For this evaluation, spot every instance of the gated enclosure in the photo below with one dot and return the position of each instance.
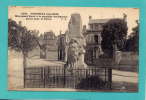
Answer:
(59, 77)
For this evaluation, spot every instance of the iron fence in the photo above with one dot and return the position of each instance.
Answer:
(60, 77)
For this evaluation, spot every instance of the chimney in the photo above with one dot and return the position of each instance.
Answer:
(90, 17)
(60, 32)
(84, 28)
(124, 17)
(20, 23)
(137, 22)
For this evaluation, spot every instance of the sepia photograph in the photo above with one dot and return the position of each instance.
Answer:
(42, 99)
(73, 49)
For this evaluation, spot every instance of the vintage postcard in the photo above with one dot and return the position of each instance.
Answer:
(42, 99)
(73, 49)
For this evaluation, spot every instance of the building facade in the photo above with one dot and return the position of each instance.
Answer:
(93, 39)
(61, 47)
(62, 43)
(48, 46)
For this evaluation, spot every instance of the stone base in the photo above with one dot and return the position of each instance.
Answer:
(82, 66)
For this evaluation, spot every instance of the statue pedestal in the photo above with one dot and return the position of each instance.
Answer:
(81, 63)
(75, 35)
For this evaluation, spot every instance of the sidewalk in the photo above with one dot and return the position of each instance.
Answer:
(123, 80)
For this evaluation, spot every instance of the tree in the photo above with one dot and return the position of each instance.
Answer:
(40, 42)
(132, 43)
(20, 39)
(113, 36)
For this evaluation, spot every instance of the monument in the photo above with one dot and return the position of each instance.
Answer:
(76, 41)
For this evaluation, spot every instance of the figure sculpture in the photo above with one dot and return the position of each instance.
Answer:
(73, 54)
(76, 51)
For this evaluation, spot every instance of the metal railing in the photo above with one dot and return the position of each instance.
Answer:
(59, 77)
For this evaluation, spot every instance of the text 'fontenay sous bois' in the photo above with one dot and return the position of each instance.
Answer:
(40, 16)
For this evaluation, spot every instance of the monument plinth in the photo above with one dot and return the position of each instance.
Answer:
(75, 33)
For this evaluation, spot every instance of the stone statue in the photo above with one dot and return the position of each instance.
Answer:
(76, 51)
(73, 54)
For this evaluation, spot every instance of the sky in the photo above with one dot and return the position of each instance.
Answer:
(57, 24)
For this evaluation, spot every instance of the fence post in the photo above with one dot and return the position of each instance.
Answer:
(110, 77)
(44, 76)
(105, 75)
(24, 78)
(64, 82)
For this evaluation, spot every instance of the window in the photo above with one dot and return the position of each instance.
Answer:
(91, 26)
(96, 39)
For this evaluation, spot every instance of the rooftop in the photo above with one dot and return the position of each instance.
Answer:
(92, 21)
